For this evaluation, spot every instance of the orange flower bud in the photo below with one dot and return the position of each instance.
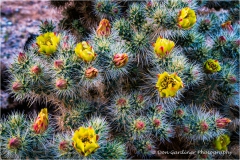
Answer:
(91, 72)
(222, 122)
(41, 123)
(227, 25)
(104, 28)
(120, 60)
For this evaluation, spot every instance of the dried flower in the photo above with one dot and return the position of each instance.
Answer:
(120, 60)
(104, 28)
(91, 72)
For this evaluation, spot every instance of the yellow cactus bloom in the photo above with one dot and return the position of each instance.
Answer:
(221, 142)
(85, 141)
(212, 66)
(168, 85)
(84, 51)
(104, 28)
(48, 43)
(163, 47)
(186, 18)
(41, 123)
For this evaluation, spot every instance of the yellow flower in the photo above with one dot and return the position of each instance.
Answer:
(168, 85)
(186, 18)
(104, 28)
(41, 123)
(163, 46)
(85, 141)
(120, 60)
(212, 66)
(85, 51)
(48, 43)
(221, 142)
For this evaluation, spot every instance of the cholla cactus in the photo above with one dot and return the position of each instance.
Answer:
(129, 79)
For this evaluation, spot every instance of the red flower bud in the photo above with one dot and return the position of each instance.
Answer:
(64, 146)
(186, 129)
(58, 64)
(139, 125)
(35, 70)
(14, 143)
(140, 99)
(22, 57)
(232, 79)
(222, 39)
(179, 112)
(61, 84)
(156, 122)
(17, 86)
(159, 108)
(121, 102)
(204, 126)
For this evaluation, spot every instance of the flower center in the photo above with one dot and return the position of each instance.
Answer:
(212, 65)
(166, 81)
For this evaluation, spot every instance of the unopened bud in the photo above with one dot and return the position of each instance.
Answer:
(121, 102)
(22, 57)
(58, 64)
(91, 72)
(36, 70)
(64, 146)
(139, 125)
(17, 86)
(61, 84)
(156, 122)
(222, 40)
(204, 126)
(14, 143)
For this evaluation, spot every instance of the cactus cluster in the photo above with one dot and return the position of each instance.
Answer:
(149, 72)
